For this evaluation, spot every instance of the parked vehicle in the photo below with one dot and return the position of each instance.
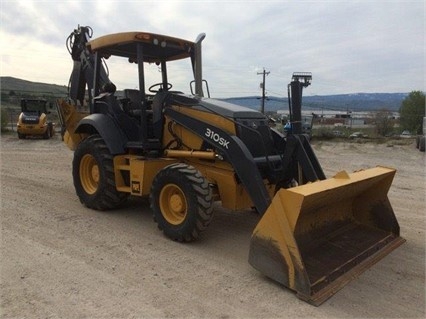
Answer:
(358, 135)
(33, 119)
(405, 134)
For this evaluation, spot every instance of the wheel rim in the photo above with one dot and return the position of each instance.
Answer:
(89, 174)
(173, 204)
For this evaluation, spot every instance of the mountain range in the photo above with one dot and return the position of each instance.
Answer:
(341, 102)
(358, 102)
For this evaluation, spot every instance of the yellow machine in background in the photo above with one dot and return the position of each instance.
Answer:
(33, 119)
(185, 152)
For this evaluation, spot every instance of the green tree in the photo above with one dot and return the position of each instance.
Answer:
(4, 120)
(412, 112)
(384, 122)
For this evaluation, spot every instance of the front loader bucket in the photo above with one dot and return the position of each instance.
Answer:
(317, 237)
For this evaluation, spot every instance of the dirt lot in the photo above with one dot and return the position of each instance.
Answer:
(59, 259)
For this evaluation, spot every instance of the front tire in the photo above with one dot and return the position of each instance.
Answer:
(181, 200)
(93, 175)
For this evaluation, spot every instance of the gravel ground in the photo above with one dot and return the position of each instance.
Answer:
(62, 260)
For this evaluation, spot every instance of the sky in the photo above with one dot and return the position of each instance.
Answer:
(368, 46)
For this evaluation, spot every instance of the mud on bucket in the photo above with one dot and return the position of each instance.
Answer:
(317, 237)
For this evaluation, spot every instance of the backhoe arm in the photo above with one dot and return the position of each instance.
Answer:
(83, 72)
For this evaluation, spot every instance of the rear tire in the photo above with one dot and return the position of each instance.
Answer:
(50, 128)
(422, 144)
(46, 134)
(93, 175)
(181, 200)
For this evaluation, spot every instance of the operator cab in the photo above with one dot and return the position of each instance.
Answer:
(37, 106)
(139, 109)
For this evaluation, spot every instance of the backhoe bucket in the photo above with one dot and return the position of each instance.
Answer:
(317, 237)
(69, 118)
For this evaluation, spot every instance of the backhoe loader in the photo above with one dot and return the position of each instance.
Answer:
(186, 151)
(33, 119)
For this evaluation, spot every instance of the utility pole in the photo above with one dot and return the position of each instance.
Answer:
(262, 85)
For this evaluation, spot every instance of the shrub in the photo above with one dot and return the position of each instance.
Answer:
(323, 133)
(4, 120)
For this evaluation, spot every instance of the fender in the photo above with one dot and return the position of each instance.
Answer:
(106, 127)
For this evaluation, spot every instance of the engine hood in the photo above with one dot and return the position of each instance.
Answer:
(217, 106)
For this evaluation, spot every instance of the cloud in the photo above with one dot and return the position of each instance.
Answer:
(349, 46)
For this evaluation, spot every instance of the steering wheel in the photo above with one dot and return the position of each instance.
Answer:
(151, 88)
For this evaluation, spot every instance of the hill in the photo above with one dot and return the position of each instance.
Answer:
(353, 102)
(23, 87)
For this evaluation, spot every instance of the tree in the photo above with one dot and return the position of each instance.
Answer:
(412, 112)
(4, 120)
(384, 122)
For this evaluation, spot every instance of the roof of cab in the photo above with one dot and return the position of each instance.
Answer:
(155, 47)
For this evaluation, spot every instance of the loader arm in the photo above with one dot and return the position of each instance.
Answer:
(246, 166)
(235, 152)
(299, 150)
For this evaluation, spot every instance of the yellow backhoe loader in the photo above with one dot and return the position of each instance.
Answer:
(33, 119)
(185, 151)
